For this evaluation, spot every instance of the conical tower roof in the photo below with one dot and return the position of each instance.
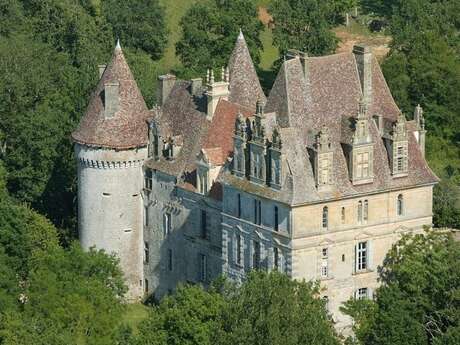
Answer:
(127, 128)
(244, 86)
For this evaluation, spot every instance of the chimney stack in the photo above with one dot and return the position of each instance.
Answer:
(363, 57)
(420, 132)
(101, 70)
(165, 85)
(215, 92)
(111, 99)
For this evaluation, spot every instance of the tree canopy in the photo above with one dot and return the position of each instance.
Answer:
(267, 308)
(419, 301)
(209, 32)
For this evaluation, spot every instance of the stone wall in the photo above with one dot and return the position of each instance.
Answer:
(110, 206)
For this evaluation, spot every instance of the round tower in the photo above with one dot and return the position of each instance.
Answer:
(111, 146)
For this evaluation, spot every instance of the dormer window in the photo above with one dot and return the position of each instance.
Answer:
(362, 150)
(202, 180)
(239, 147)
(397, 147)
(323, 155)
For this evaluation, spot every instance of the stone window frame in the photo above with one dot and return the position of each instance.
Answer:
(400, 205)
(362, 256)
(362, 293)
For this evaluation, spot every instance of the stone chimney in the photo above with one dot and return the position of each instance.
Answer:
(101, 70)
(111, 99)
(420, 132)
(165, 85)
(363, 57)
(216, 91)
(196, 86)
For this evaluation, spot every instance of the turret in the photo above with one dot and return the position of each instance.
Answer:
(110, 146)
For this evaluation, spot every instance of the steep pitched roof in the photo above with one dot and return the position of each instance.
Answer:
(127, 128)
(290, 96)
(244, 87)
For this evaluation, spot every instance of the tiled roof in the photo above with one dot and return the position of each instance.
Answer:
(328, 95)
(244, 87)
(128, 127)
(220, 132)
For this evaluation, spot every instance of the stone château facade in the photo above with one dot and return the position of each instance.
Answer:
(318, 180)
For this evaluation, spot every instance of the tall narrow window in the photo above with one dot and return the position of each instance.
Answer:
(366, 210)
(324, 263)
(361, 256)
(146, 286)
(325, 222)
(343, 215)
(257, 212)
(276, 220)
(360, 211)
(203, 268)
(238, 249)
(238, 210)
(276, 258)
(204, 225)
(166, 223)
(170, 259)
(256, 255)
(146, 216)
(400, 205)
(146, 252)
(148, 179)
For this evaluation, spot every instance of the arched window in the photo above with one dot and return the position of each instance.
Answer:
(325, 217)
(400, 205)
(366, 210)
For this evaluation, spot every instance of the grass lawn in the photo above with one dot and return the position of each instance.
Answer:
(134, 314)
(270, 53)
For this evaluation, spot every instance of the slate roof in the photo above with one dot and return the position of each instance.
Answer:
(328, 95)
(244, 87)
(128, 127)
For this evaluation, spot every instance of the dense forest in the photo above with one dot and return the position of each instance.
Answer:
(51, 292)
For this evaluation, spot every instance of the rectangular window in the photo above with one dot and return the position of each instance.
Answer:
(324, 268)
(325, 252)
(203, 267)
(166, 223)
(276, 220)
(362, 293)
(257, 212)
(146, 252)
(238, 210)
(276, 258)
(204, 225)
(343, 214)
(361, 256)
(256, 255)
(146, 286)
(170, 259)
(238, 249)
(360, 211)
(146, 216)
(366, 210)
(362, 165)
(148, 179)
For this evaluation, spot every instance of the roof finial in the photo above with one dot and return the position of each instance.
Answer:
(118, 46)
(241, 36)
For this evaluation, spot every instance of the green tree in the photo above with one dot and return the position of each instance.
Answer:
(138, 23)
(304, 25)
(272, 308)
(209, 31)
(419, 300)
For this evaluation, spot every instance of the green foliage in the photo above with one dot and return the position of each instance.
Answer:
(268, 308)
(305, 25)
(272, 308)
(424, 67)
(138, 23)
(210, 30)
(419, 301)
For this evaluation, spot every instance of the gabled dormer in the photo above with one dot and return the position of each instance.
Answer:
(257, 147)
(323, 160)
(398, 148)
(275, 157)
(239, 146)
(361, 157)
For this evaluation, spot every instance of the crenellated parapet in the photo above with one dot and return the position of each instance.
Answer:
(96, 164)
